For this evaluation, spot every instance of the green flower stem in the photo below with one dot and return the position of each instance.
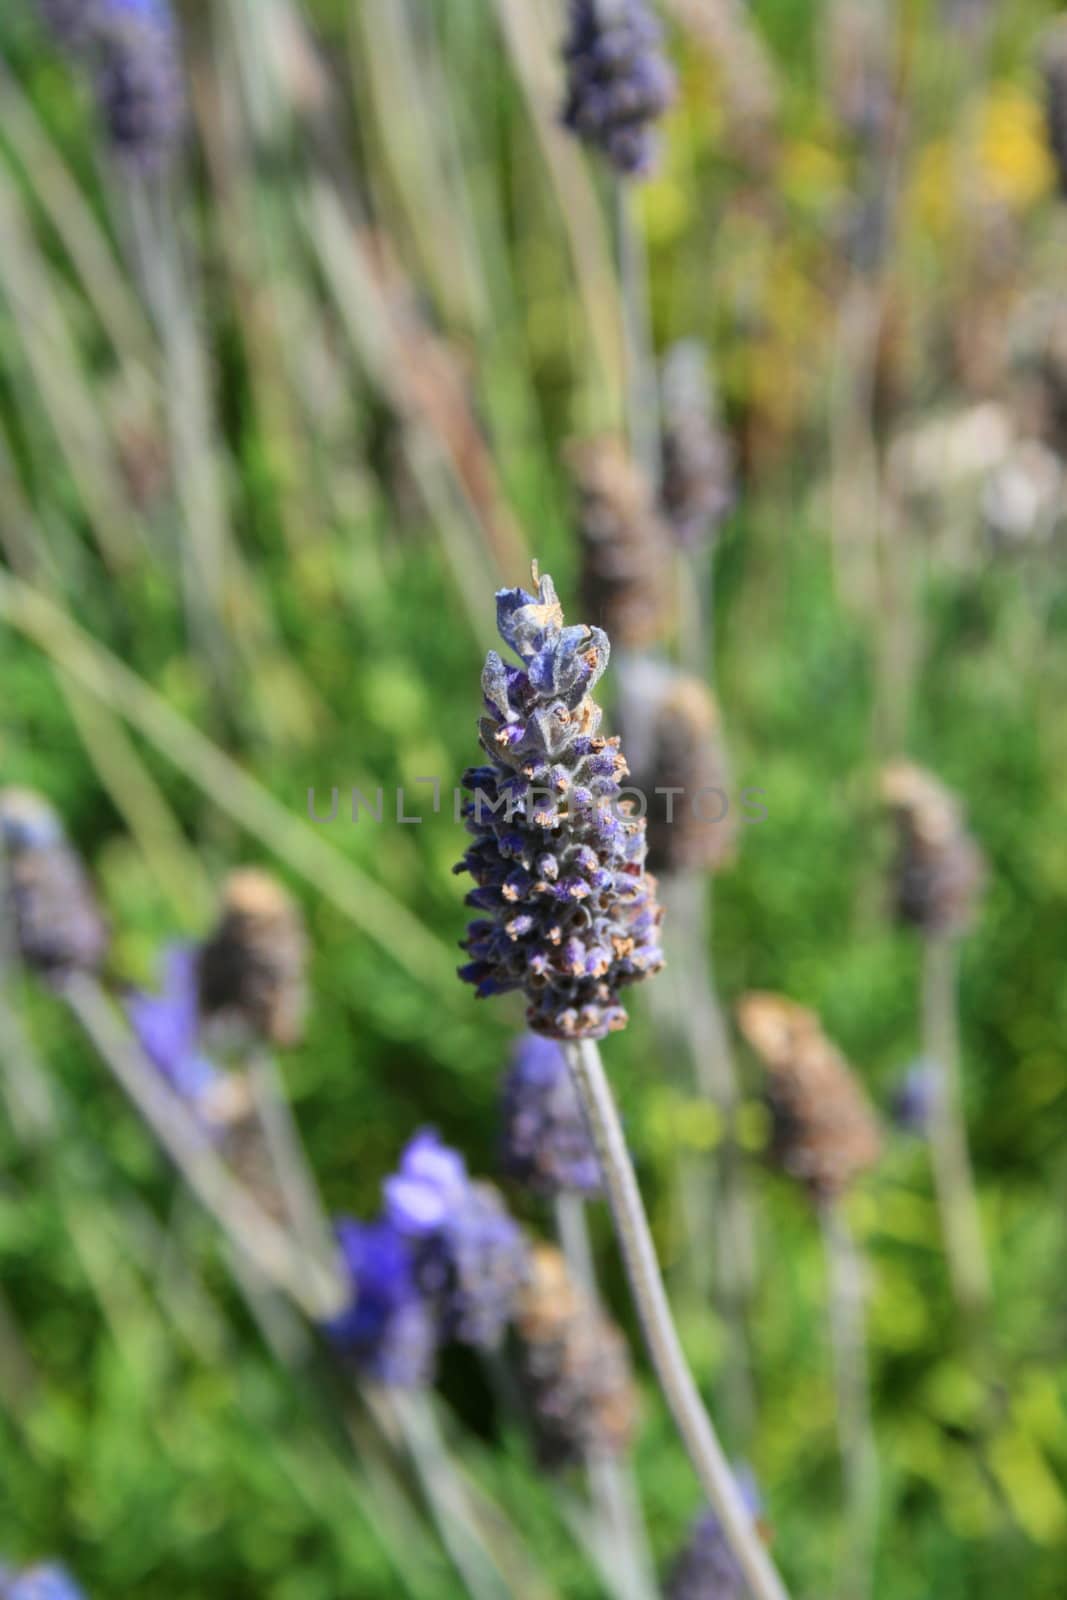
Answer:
(661, 1338)
(859, 1458)
(953, 1177)
(319, 1293)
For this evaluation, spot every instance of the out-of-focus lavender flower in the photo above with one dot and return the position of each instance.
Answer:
(545, 1143)
(698, 457)
(252, 968)
(389, 1331)
(573, 1367)
(56, 923)
(618, 81)
(470, 1255)
(706, 1569)
(913, 1100)
(558, 856)
(132, 50)
(39, 1583)
(167, 1026)
(939, 871)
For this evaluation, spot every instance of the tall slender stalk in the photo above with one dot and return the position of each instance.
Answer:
(319, 1294)
(848, 1338)
(661, 1337)
(953, 1178)
(642, 382)
(611, 1479)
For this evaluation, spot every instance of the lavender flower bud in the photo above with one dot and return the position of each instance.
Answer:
(626, 546)
(545, 1144)
(939, 869)
(39, 1583)
(573, 1367)
(618, 82)
(252, 967)
(670, 725)
(470, 1256)
(49, 901)
(825, 1130)
(698, 457)
(138, 79)
(558, 858)
(707, 1569)
(388, 1331)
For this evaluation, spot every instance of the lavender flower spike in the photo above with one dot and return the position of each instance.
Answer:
(167, 1026)
(39, 1583)
(618, 82)
(545, 1142)
(707, 1569)
(470, 1256)
(558, 857)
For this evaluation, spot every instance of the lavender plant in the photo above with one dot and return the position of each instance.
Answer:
(705, 1568)
(574, 921)
(131, 48)
(57, 925)
(618, 82)
(469, 1255)
(938, 875)
(558, 857)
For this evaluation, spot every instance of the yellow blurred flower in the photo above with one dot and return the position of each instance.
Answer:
(1012, 149)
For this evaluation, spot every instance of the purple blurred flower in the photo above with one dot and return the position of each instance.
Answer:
(707, 1569)
(132, 49)
(618, 82)
(39, 1583)
(167, 1026)
(470, 1255)
(558, 859)
(389, 1330)
(545, 1142)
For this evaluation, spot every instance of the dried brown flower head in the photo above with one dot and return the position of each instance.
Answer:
(252, 966)
(574, 1367)
(825, 1129)
(626, 546)
(939, 869)
(673, 737)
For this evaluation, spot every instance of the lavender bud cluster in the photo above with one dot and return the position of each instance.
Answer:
(47, 898)
(132, 50)
(558, 859)
(618, 81)
(444, 1261)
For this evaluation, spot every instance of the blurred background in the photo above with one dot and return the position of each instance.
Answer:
(300, 320)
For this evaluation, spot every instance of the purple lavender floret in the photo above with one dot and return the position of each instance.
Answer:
(389, 1330)
(167, 1026)
(39, 1583)
(558, 858)
(469, 1254)
(618, 81)
(545, 1143)
(707, 1569)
